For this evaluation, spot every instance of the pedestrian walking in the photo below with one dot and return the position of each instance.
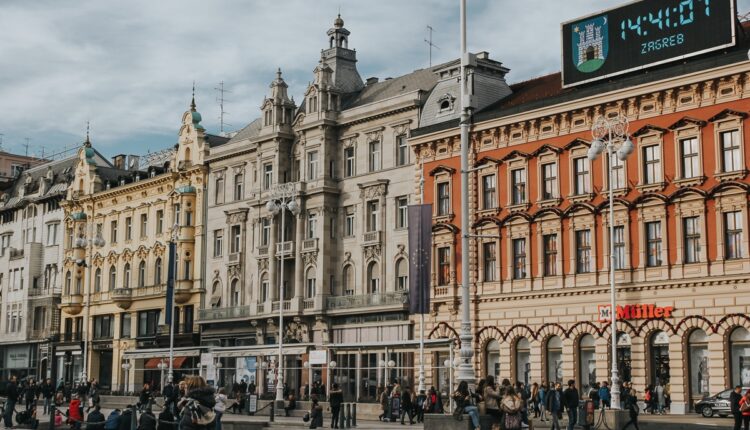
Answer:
(571, 399)
(335, 399)
(734, 404)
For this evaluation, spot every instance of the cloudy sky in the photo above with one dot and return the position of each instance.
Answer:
(128, 66)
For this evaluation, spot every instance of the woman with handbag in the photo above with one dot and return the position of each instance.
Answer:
(511, 405)
(491, 399)
(466, 402)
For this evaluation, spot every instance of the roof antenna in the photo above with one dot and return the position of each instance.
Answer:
(220, 100)
(192, 103)
(429, 42)
(26, 146)
(1, 142)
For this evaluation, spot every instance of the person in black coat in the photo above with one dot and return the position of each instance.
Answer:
(570, 400)
(734, 404)
(95, 420)
(336, 398)
(125, 418)
(145, 397)
(166, 420)
(316, 414)
(29, 396)
(47, 391)
(11, 397)
(147, 421)
(407, 407)
(198, 405)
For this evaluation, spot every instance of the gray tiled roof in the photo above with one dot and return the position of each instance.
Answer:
(422, 79)
(251, 130)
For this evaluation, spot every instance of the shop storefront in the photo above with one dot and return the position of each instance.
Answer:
(19, 361)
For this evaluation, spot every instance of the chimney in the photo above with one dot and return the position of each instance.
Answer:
(119, 161)
(370, 81)
(483, 55)
(133, 162)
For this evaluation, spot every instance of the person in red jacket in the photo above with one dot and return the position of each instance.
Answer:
(74, 413)
(745, 410)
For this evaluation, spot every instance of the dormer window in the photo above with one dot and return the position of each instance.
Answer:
(445, 104)
(153, 173)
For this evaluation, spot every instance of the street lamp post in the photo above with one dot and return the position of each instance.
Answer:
(282, 199)
(162, 366)
(611, 134)
(126, 369)
(87, 240)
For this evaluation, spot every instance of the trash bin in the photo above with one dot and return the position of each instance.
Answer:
(586, 414)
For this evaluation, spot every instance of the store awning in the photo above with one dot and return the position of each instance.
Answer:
(153, 363)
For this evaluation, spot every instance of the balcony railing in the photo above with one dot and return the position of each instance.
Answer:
(308, 304)
(275, 306)
(260, 308)
(372, 237)
(263, 250)
(235, 257)
(15, 253)
(285, 248)
(41, 333)
(310, 244)
(71, 337)
(365, 300)
(218, 314)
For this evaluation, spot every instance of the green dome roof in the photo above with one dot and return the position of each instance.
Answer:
(78, 216)
(187, 189)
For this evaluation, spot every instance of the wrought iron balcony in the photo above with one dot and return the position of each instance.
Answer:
(367, 300)
(122, 297)
(72, 303)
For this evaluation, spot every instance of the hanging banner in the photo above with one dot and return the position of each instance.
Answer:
(420, 252)
(169, 305)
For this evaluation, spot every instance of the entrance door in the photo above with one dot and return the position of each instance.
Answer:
(105, 370)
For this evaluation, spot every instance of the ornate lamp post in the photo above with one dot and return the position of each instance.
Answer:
(611, 134)
(282, 199)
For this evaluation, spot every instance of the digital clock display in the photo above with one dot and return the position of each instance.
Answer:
(643, 34)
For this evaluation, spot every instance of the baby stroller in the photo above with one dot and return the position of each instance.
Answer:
(26, 420)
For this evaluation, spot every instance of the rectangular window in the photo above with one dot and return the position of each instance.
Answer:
(112, 232)
(519, 258)
(188, 218)
(312, 226)
(312, 165)
(176, 213)
(265, 233)
(128, 228)
(489, 192)
(691, 239)
(618, 173)
(267, 176)
(188, 273)
(583, 251)
(732, 235)
(349, 222)
(549, 181)
(238, 183)
(219, 190)
(159, 221)
(144, 225)
(402, 212)
(550, 254)
(444, 266)
(148, 321)
(690, 160)
(653, 243)
(518, 186)
(234, 235)
(218, 242)
(444, 198)
(374, 156)
(104, 327)
(402, 151)
(372, 215)
(731, 159)
(619, 243)
(581, 167)
(490, 261)
(349, 163)
(52, 233)
(188, 312)
(651, 165)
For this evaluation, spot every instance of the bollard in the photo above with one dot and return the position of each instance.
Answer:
(346, 415)
(342, 416)
(52, 411)
(134, 419)
(273, 413)
(354, 415)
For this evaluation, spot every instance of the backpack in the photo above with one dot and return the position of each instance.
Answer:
(113, 420)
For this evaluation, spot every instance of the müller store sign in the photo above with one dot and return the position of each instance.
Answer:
(635, 312)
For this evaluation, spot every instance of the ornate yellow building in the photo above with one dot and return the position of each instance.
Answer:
(119, 220)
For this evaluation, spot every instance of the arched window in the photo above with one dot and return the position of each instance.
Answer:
(623, 356)
(698, 349)
(68, 282)
(347, 280)
(98, 280)
(659, 358)
(157, 271)
(587, 362)
(126, 276)
(492, 358)
(112, 277)
(523, 360)
(310, 283)
(79, 285)
(554, 359)
(373, 278)
(216, 295)
(142, 274)
(402, 275)
(740, 347)
(264, 288)
(234, 294)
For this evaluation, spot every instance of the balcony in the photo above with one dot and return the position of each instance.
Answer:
(390, 298)
(182, 291)
(372, 237)
(263, 250)
(235, 257)
(275, 305)
(72, 303)
(122, 297)
(260, 308)
(219, 314)
(41, 333)
(310, 244)
(285, 249)
(71, 337)
(308, 304)
(15, 254)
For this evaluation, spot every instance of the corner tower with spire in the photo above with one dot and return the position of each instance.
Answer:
(341, 59)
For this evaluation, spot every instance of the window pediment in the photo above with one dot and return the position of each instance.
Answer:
(687, 122)
(576, 143)
(649, 129)
(728, 114)
(442, 169)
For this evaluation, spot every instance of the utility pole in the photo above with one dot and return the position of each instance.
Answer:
(26, 146)
(429, 42)
(220, 100)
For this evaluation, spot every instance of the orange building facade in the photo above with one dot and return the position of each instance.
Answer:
(540, 264)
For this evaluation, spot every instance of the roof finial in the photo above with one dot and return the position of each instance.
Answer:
(88, 140)
(192, 103)
(278, 73)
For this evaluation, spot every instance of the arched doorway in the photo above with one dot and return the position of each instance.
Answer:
(698, 350)
(587, 362)
(492, 359)
(740, 347)
(523, 360)
(554, 359)
(659, 358)
(623, 357)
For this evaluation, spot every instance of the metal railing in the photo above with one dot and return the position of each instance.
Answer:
(224, 313)
(364, 300)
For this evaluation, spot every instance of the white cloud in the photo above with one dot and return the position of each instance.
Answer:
(128, 66)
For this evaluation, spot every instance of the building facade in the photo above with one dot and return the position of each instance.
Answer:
(343, 157)
(31, 237)
(540, 264)
(119, 220)
(11, 166)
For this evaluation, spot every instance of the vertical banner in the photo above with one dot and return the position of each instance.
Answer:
(420, 251)
(169, 305)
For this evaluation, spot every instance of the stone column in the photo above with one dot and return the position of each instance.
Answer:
(638, 360)
(677, 382)
(569, 361)
(299, 273)
(506, 358)
(536, 359)
(603, 364)
(718, 380)
(273, 265)
(382, 223)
